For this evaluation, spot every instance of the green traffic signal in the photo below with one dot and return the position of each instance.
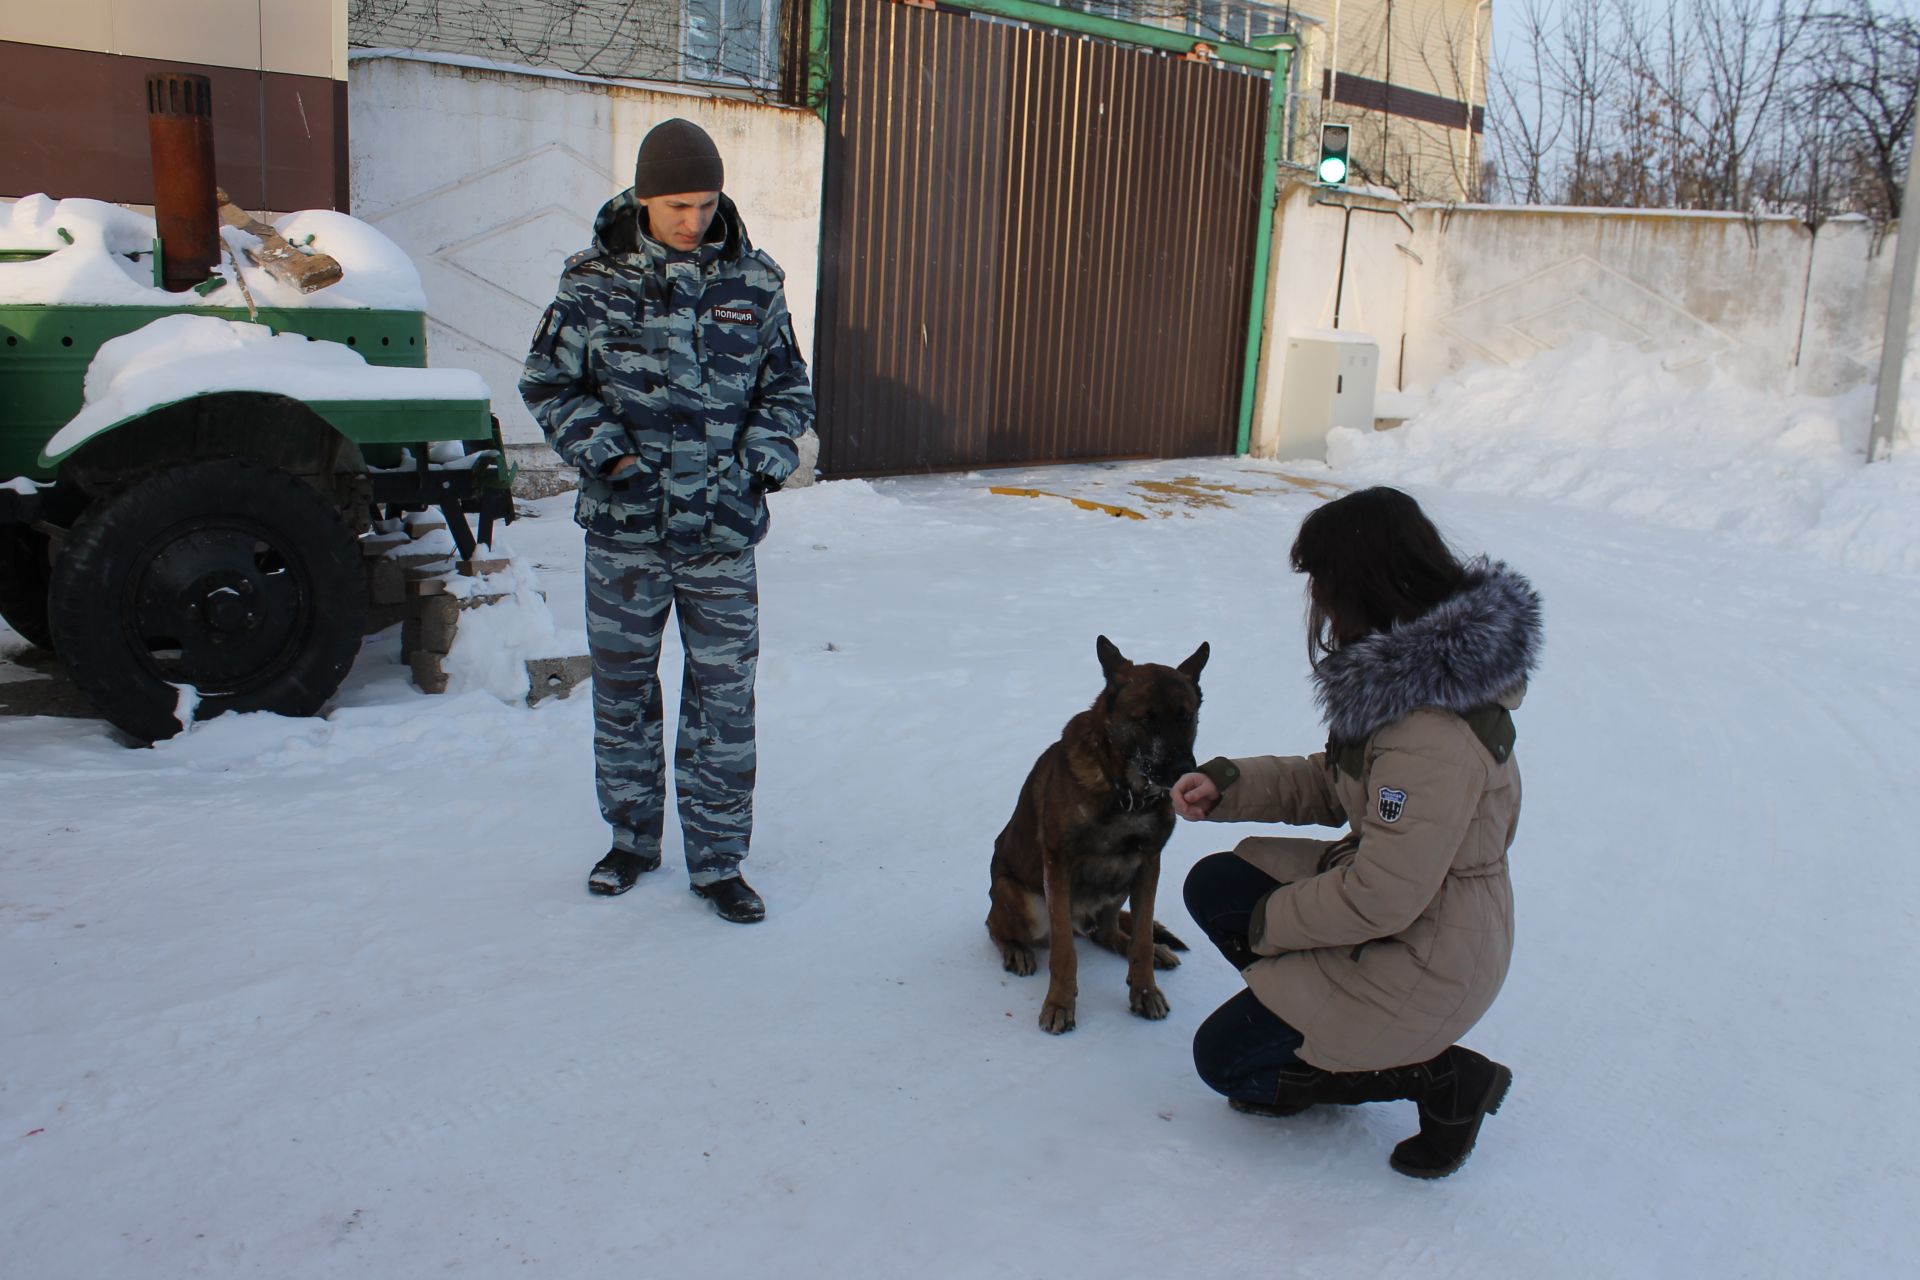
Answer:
(1333, 154)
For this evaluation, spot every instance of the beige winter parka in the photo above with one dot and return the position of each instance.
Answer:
(1383, 948)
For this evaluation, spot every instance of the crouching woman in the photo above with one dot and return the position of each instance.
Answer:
(1366, 958)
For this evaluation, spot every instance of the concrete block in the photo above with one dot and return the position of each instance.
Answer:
(428, 676)
(386, 583)
(555, 677)
(430, 626)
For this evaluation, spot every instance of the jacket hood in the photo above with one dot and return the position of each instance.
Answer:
(1475, 647)
(616, 229)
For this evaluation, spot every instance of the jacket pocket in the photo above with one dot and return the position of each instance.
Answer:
(631, 505)
(737, 516)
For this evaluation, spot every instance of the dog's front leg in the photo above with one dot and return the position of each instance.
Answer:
(1063, 985)
(1143, 994)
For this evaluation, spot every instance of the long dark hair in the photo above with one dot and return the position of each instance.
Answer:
(1372, 559)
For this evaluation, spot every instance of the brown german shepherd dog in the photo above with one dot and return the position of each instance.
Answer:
(1087, 833)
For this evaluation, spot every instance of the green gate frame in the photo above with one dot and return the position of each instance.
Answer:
(1272, 54)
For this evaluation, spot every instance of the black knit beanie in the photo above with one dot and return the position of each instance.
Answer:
(677, 156)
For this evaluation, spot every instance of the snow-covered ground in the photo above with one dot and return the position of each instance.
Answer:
(327, 997)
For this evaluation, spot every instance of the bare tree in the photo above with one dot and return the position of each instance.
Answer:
(1524, 124)
(1864, 91)
(1708, 104)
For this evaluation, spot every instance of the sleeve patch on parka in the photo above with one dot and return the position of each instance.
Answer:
(549, 330)
(1393, 803)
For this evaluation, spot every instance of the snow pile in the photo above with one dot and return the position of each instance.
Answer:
(177, 357)
(1602, 425)
(89, 264)
(494, 641)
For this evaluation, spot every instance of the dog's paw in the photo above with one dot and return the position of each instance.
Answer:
(1163, 957)
(1017, 960)
(1147, 1002)
(1056, 1019)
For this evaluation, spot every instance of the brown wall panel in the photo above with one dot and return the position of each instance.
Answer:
(1037, 247)
(75, 124)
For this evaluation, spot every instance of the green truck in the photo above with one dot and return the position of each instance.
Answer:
(181, 519)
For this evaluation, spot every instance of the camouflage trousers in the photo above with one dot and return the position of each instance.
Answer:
(715, 596)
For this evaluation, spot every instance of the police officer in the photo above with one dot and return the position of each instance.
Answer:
(666, 371)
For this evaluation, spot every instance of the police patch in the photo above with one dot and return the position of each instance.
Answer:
(734, 315)
(1392, 804)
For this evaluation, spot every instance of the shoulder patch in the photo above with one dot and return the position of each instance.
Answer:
(1393, 803)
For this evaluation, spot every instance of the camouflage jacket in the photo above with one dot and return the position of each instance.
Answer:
(687, 362)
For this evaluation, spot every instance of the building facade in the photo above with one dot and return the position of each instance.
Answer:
(73, 96)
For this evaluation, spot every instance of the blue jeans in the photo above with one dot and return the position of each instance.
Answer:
(1241, 1048)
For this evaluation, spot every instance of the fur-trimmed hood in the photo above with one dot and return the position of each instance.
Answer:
(1468, 650)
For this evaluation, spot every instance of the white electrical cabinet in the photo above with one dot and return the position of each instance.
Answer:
(1328, 382)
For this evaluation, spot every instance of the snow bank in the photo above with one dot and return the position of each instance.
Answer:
(88, 264)
(1600, 424)
(176, 357)
(493, 642)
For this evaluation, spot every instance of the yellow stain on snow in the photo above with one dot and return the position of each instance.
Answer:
(1085, 504)
(1184, 495)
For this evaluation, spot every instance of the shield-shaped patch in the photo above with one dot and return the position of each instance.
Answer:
(1393, 803)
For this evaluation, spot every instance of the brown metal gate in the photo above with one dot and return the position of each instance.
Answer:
(1037, 247)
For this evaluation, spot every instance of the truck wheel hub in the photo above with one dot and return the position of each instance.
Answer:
(218, 605)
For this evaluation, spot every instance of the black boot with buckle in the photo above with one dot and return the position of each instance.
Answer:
(1302, 1086)
(1461, 1089)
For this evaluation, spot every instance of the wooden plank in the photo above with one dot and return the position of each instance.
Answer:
(305, 271)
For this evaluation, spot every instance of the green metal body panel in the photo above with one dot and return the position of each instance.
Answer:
(45, 351)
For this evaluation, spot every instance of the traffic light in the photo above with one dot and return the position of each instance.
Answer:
(1333, 154)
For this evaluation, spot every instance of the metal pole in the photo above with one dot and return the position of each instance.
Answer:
(1893, 347)
(1263, 244)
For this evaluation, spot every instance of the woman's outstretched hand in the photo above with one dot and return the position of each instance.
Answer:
(1194, 796)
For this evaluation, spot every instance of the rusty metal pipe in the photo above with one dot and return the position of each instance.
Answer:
(180, 135)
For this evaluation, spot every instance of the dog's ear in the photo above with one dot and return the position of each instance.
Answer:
(1112, 661)
(1193, 665)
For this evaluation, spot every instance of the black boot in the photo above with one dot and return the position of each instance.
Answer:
(1462, 1088)
(615, 873)
(1302, 1086)
(734, 899)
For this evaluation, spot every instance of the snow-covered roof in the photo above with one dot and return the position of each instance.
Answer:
(87, 263)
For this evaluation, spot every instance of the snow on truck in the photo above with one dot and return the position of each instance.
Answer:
(191, 451)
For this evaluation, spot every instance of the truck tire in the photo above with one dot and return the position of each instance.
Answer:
(229, 576)
(24, 576)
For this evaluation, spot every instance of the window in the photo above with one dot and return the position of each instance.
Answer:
(1235, 21)
(733, 42)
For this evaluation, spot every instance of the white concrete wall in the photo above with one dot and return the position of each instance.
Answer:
(491, 178)
(1762, 301)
